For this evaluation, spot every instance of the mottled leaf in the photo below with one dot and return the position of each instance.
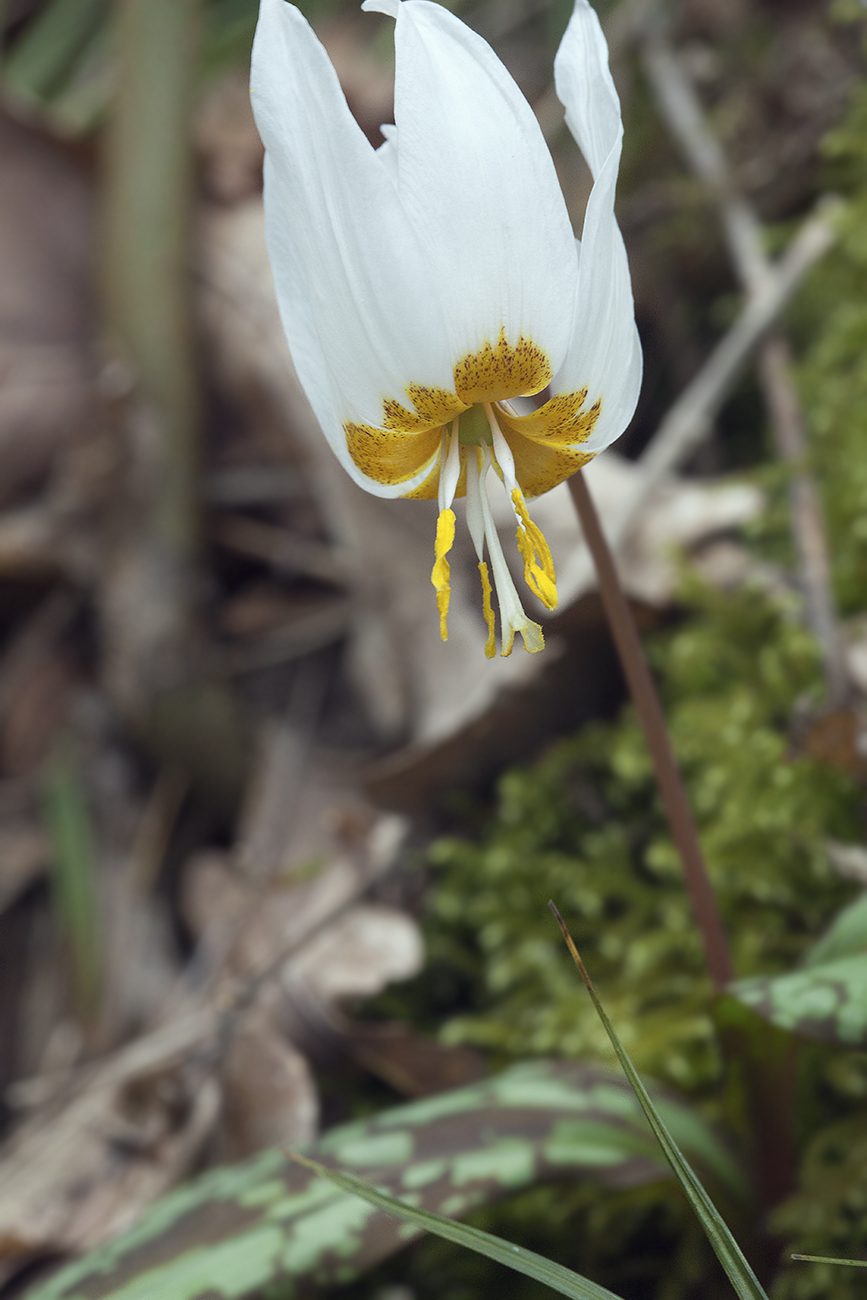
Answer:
(547, 1271)
(241, 1231)
(847, 937)
(827, 1001)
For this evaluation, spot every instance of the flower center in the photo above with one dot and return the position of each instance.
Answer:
(443, 446)
(468, 452)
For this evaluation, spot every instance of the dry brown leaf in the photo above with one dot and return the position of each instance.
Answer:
(270, 1098)
(46, 245)
(75, 1177)
(357, 956)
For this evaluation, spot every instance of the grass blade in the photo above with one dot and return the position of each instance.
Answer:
(560, 1279)
(73, 877)
(826, 1259)
(728, 1252)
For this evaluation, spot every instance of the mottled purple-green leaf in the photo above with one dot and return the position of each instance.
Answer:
(826, 1001)
(268, 1227)
(846, 937)
(547, 1271)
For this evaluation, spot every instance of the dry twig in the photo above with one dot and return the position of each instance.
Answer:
(683, 113)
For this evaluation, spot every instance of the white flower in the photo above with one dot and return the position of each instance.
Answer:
(441, 316)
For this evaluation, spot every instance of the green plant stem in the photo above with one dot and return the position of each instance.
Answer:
(646, 700)
(147, 274)
(148, 573)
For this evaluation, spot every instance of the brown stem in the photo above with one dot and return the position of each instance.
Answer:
(646, 700)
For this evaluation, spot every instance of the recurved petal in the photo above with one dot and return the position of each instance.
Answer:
(605, 352)
(479, 186)
(359, 305)
(604, 355)
(585, 87)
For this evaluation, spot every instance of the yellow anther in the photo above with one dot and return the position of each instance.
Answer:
(440, 572)
(539, 572)
(491, 644)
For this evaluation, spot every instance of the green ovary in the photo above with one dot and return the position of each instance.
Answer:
(473, 428)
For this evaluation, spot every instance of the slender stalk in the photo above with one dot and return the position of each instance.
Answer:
(149, 567)
(646, 700)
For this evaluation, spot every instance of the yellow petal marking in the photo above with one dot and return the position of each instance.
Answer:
(502, 370)
(487, 610)
(539, 468)
(434, 407)
(389, 457)
(428, 489)
(440, 572)
(561, 421)
(546, 444)
(539, 572)
(407, 442)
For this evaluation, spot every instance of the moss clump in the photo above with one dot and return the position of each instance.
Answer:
(584, 826)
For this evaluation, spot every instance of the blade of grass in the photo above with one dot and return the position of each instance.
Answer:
(729, 1254)
(73, 876)
(558, 1278)
(826, 1259)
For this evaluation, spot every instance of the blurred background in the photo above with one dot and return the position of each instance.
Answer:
(257, 824)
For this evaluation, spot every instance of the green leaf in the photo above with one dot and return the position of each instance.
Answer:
(524, 1261)
(827, 1001)
(73, 875)
(847, 937)
(727, 1250)
(238, 1230)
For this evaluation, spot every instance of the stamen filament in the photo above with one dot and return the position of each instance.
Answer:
(450, 466)
(512, 616)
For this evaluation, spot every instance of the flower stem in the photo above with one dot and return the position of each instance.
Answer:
(646, 700)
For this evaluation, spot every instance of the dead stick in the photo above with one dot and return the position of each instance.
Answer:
(646, 700)
(808, 525)
(682, 110)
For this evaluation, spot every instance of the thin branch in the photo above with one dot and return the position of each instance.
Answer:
(685, 117)
(646, 700)
(688, 421)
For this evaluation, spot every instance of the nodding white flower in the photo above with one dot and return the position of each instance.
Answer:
(442, 317)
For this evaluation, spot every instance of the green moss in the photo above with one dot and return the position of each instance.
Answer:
(584, 826)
